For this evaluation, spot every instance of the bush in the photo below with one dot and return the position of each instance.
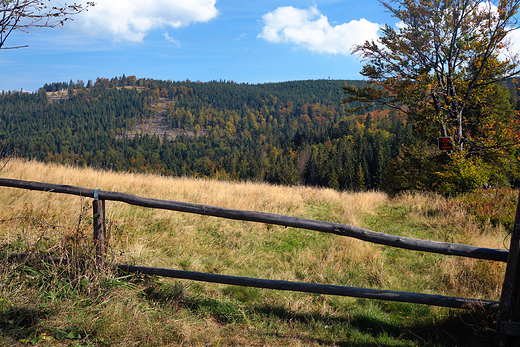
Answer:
(463, 174)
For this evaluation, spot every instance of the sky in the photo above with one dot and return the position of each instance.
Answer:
(201, 40)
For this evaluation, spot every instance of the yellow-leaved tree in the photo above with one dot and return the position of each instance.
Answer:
(444, 65)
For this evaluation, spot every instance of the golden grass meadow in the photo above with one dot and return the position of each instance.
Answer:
(72, 304)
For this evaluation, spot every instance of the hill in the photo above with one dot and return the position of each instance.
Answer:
(70, 303)
(285, 133)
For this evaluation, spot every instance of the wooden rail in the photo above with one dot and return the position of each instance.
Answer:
(508, 318)
(388, 295)
(269, 218)
(508, 326)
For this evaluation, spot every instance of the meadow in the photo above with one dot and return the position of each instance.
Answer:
(71, 303)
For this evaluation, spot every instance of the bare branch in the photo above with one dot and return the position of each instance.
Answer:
(24, 14)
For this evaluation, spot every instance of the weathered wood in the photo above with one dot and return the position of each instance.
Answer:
(388, 295)
(99, 231)
(509, 305)
(269, 218)
(510, 329)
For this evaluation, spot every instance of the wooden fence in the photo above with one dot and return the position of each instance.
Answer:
(508, 316)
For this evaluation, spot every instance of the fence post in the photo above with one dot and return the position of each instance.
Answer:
(508, 317)
(98, 207)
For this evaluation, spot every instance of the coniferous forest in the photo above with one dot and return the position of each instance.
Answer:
(283, 133)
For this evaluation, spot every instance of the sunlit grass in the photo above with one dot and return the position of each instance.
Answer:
(77, 305)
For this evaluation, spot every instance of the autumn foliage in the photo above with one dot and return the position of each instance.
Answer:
(445, 67)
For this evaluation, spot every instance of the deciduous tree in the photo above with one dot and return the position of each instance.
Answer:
(442, 66)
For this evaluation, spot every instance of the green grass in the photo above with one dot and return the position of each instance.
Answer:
(44, 304)
(71, 303)
(154, 312)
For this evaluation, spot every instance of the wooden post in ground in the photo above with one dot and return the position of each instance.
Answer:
(508, 318)
(99, 231)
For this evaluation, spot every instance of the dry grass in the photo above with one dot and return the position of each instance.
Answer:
(436, 218)
(208, 314)
(147, 234)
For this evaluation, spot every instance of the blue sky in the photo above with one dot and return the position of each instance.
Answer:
(244, 41)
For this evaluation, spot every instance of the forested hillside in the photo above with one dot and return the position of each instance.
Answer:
(286, 133)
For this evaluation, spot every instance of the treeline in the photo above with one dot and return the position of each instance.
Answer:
(284, 133)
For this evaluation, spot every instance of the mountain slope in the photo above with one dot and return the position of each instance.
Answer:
(286, 133)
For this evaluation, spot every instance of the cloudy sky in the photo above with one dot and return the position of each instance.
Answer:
(244, 41)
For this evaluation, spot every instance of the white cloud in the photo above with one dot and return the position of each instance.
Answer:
(311, 30)
(400, 25)
(241, 36)
(171, 39)
(131, 20)
(513, 37)
(487, 7)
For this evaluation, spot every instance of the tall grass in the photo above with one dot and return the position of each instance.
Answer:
(70, 303)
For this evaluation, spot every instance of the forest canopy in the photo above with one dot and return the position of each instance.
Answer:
(284, 133)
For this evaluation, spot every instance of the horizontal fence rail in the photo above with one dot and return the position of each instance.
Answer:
(269, 218)
(508, 316)
(388, 295)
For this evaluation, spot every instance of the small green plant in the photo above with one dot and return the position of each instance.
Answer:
(463, 173)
